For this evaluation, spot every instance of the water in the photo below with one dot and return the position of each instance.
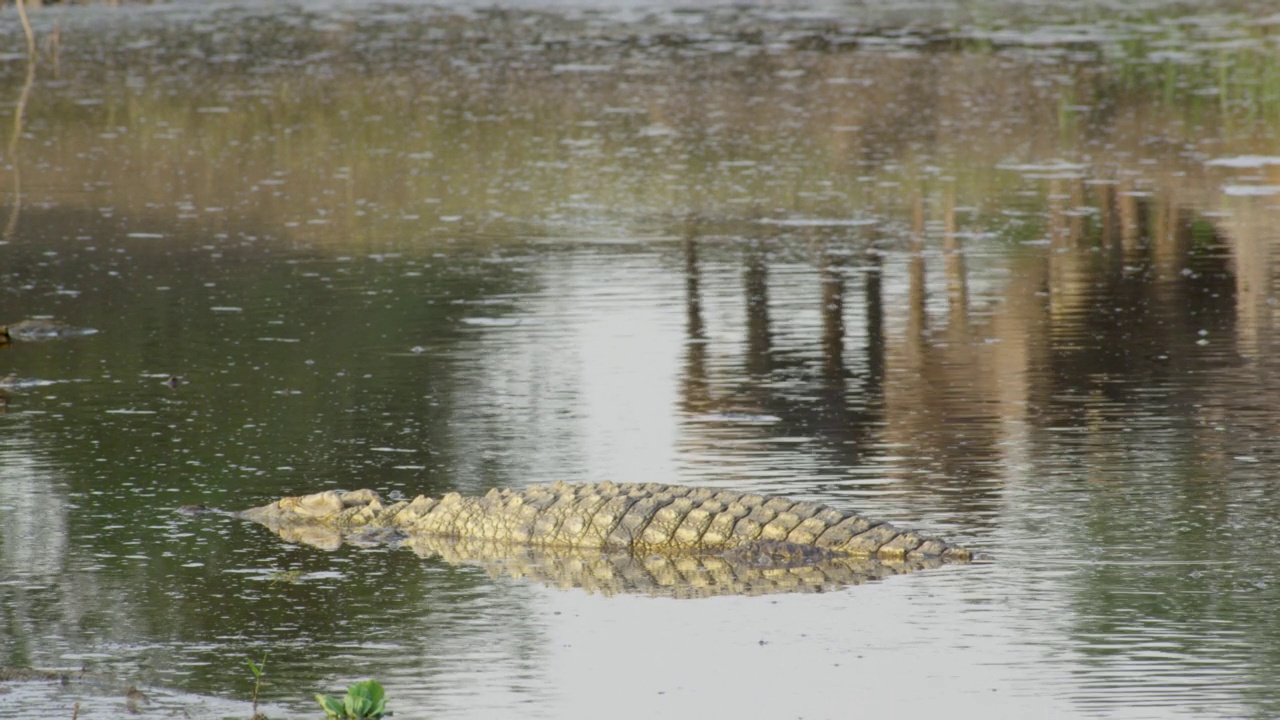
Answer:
(1008, 278)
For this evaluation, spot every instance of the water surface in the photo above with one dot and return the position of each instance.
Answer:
(1007, 278)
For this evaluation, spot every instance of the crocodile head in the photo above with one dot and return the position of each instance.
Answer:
(332, 509)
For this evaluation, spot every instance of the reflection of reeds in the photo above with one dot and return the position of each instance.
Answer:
(19, 113)
(53, 47)
(26, 29)
(1232, 74)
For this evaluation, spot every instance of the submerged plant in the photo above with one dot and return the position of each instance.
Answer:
(364, 701)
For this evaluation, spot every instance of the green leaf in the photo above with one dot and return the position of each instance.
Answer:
(371, 689)
(365, 699)
(331, 707)
(255, 668)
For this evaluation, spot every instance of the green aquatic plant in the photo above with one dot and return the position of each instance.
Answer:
(364, 701)
(257, 669)
(285, 576)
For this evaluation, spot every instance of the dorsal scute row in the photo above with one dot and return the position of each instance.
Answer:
(630, 517)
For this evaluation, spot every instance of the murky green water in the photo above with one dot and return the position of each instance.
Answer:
(1007, 276)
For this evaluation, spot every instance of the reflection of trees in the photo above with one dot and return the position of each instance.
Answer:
(1123, 361)
(941, 398)
(34, 547)
(1147, 396)
(842, 418)
(1130, 311)
(926, 389)
(695, 392)
(756, 293)
(94, 551)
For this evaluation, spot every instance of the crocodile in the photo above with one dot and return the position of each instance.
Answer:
(41, 329)
(645, 538)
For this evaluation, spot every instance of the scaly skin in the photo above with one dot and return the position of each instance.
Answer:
(630, 519)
